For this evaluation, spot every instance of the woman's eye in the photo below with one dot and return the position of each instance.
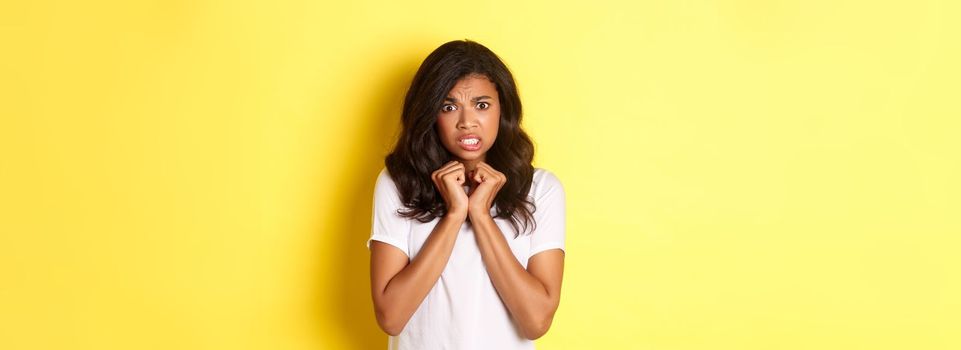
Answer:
(483, 105)
(448, 108)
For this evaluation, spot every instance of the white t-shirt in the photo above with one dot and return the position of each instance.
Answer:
(463, 310)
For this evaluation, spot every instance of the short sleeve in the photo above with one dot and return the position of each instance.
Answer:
(550, 213)
(387, 225)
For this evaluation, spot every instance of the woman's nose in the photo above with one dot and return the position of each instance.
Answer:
(468, 119)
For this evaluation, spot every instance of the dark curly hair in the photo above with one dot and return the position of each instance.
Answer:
(419, 152)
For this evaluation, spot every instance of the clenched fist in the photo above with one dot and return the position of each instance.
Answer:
(450, 180)
(488, 182)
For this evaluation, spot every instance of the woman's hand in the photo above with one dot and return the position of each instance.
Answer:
(488, 181)
(449, 180)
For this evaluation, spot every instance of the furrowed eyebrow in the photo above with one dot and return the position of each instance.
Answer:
(475, 99)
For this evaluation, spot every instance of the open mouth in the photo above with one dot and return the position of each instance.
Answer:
(469, 142)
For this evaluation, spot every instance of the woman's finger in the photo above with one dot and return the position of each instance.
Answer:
(492, 174)
(490, 170)
(479, 176)
(434, 175)
(439, 173)
(457, 170)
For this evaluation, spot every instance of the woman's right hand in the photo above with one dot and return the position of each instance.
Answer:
(450, 180)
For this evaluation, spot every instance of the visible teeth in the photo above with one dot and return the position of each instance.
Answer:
(470, 141)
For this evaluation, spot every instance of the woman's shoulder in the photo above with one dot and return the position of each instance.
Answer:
(384, 175)
(384, 183)
(545, 181)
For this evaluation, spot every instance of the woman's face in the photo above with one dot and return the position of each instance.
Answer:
(467, 122)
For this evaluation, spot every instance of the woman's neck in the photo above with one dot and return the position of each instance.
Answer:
(470, 165)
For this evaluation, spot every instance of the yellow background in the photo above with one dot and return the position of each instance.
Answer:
(739, 174)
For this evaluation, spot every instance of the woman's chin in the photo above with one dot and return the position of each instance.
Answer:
(469, 156)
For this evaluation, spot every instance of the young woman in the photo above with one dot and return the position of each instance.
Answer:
(467, 243)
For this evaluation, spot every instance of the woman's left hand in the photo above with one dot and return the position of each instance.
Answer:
(487, 182)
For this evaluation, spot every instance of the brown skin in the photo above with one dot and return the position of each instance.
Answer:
(471, 107)
(399, 285)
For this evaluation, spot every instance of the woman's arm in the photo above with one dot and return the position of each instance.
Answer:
(399, 287)
(533, 295)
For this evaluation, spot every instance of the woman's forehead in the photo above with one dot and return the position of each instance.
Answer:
(473, 84)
